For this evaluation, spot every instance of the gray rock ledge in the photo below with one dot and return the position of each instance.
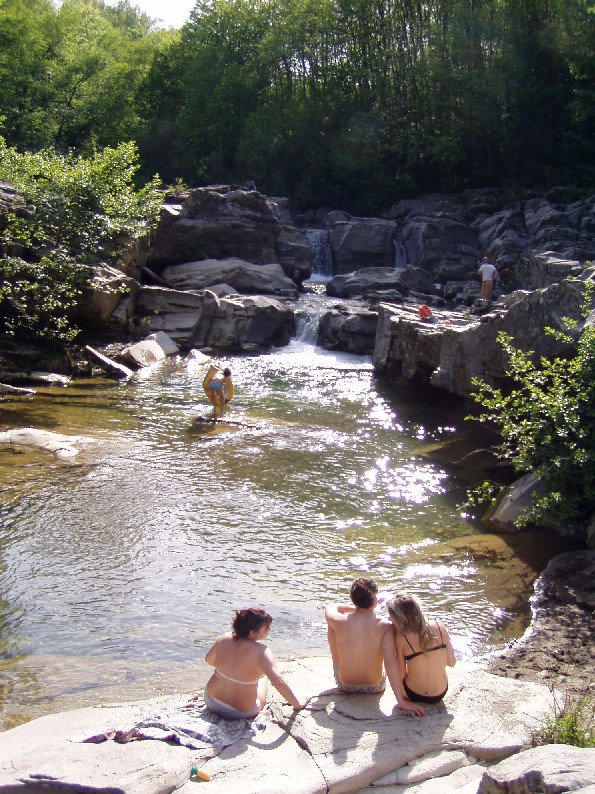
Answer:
(339, 744)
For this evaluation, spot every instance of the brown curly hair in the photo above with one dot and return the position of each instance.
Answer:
(247, 620)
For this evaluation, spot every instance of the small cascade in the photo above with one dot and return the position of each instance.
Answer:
(399, 253)
(308, 311)
(306, 326)
(322, 264)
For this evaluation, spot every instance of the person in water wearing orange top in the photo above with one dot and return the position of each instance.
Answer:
(243, 668)
(416, 654)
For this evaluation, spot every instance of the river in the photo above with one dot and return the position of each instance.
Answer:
(119, 570)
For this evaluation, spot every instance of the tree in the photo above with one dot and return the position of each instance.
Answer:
(78, 209)
(69, 75)
(547, 425)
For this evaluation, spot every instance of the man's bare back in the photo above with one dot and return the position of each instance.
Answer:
(355, 635)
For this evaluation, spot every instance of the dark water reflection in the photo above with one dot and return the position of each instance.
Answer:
(118, 571)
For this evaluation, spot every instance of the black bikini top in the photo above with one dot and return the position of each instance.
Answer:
(410, 656)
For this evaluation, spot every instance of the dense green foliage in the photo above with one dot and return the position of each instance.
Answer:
(69, 75)
(354, 103)
(351, 103)
(547, 424)
(78, 210)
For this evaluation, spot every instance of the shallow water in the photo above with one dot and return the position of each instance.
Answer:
(118, 571)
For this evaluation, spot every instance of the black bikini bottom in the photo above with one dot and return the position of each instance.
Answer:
(423, 698)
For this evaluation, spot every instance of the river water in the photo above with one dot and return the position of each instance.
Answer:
(119, 570)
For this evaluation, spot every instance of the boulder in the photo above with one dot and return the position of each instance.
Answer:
(548, 769)
(343, 329)
(244, 323)
(504, 237)
(100, 298)
(340, 743)
(149, 351)
(457, 347)
(161, 300)
(174, 312)
(512, 502)
(216, 223)
(62, 447)
(360, 242)
(435, 242)
(538, 270)
(373, 279)
(294, 253)
(201, 319)
(243, 276)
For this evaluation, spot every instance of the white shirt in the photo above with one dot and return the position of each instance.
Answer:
(487, 272)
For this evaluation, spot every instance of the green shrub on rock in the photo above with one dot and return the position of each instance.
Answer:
(572, 722)
(547, 425)
(77, 210)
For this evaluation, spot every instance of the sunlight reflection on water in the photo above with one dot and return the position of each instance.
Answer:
(142, 549)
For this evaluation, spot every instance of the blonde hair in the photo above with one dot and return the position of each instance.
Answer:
(408, 616)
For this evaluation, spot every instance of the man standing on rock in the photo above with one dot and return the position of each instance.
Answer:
(488, 275)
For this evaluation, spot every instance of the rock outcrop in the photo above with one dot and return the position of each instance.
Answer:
(449, 352)
(221, 222)
(374, 280)
(557, 648)
(360, 242)
(477, 742)
(343, 329)
(62, 447)
(243, 276)
(341, 743)
(223, 243)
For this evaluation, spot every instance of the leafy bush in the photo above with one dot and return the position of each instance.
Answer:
(547, 425)
(78, 210)
(572, 722)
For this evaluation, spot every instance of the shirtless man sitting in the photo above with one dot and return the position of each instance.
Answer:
(355, 636)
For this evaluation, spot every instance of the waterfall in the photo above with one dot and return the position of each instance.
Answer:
(322, 264)
(308, 311)
(306, 326)
(399, 253)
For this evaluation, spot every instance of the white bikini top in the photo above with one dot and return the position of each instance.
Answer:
(235, 680)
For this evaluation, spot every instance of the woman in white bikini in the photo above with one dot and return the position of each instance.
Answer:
(423, 651)
(243, 667)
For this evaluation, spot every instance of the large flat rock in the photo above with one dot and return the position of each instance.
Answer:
(341, 743)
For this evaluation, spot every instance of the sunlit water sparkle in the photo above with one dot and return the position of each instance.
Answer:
(134, 557)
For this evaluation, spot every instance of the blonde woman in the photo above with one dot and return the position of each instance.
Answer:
(416, 655)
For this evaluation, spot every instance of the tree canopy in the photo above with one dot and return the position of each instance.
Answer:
(353, 103)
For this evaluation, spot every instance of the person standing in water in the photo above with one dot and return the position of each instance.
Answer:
(218, 387)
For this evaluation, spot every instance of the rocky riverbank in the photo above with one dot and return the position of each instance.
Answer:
(475, 743)
(558, 647)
